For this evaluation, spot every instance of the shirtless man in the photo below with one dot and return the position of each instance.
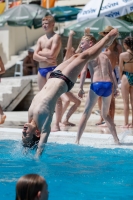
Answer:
(101, 85)
(29, 65)
(112, 52)
(61, 80)
(2, 71)
(46, 52)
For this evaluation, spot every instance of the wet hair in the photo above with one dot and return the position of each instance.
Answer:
(48, 18)
(32, 144)
(90, 38)
(129, 42)
(29, 185)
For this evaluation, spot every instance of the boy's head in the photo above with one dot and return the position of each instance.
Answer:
(30, 52)
(87, 42)
(30, 135)
(48, 23)
(31, 186)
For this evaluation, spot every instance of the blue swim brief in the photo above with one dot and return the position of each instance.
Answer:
(44, 71)
(102, 89)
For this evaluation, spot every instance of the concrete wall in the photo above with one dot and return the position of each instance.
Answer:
(4, 44)
(15, 39)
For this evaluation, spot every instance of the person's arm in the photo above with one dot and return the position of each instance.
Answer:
(87, 31)
(51, 53)
(69, 45)
(121, 64)
(36, 56)
(2, 68)
(41, 144)
(119, 47)
(82, 80)
(112, 77)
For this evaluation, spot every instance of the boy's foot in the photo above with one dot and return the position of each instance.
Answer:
(130, 125)
(117, 142)
(125, 126)
(100, 123)
(55, 128)
(2, 119)
(68, 123)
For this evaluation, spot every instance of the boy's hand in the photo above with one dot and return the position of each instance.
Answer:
(81, 93)
(71, 32)
(87, 31)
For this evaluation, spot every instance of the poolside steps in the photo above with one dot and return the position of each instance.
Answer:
(24, 105)
(12, 91)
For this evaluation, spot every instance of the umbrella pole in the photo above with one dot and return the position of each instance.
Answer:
(7, 2)
(26, 38)
(100, 8)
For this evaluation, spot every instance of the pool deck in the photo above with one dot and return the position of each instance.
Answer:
(94, 136)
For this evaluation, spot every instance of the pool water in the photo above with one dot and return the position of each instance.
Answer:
(72, 172)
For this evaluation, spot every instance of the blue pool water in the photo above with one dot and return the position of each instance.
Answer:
(72, 172)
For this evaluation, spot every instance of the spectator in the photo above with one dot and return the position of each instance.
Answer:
(126, 72)
(30, 66)
(112, 52)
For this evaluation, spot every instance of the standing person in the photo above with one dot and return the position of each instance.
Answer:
(29, 65)
(126, 72)
(101, 85)
(2, 71)
(68, 97)
(112, 52)
(31, 187)
(46, 52)
(63, 78)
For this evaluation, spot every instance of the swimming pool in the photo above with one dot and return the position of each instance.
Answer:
(72, 172)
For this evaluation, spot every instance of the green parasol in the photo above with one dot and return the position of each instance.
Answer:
(23, 15)
(98, 24)
(64, 13)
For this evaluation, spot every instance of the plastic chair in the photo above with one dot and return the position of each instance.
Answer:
(18, 68)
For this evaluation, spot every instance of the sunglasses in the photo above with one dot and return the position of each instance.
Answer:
(105, 32)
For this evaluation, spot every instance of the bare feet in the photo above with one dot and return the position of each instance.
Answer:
(55, 128)
(67, 123)
(111, 36)
(117, 141)
(76, 142)
(2, 119)
(130, 125)
(125, 126)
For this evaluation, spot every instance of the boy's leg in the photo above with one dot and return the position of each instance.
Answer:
(110, 124)
(58, 112)
(112, 108)
(72, 109)
(90, 103)
(99, 106)
(41, 81)
(2, 116)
